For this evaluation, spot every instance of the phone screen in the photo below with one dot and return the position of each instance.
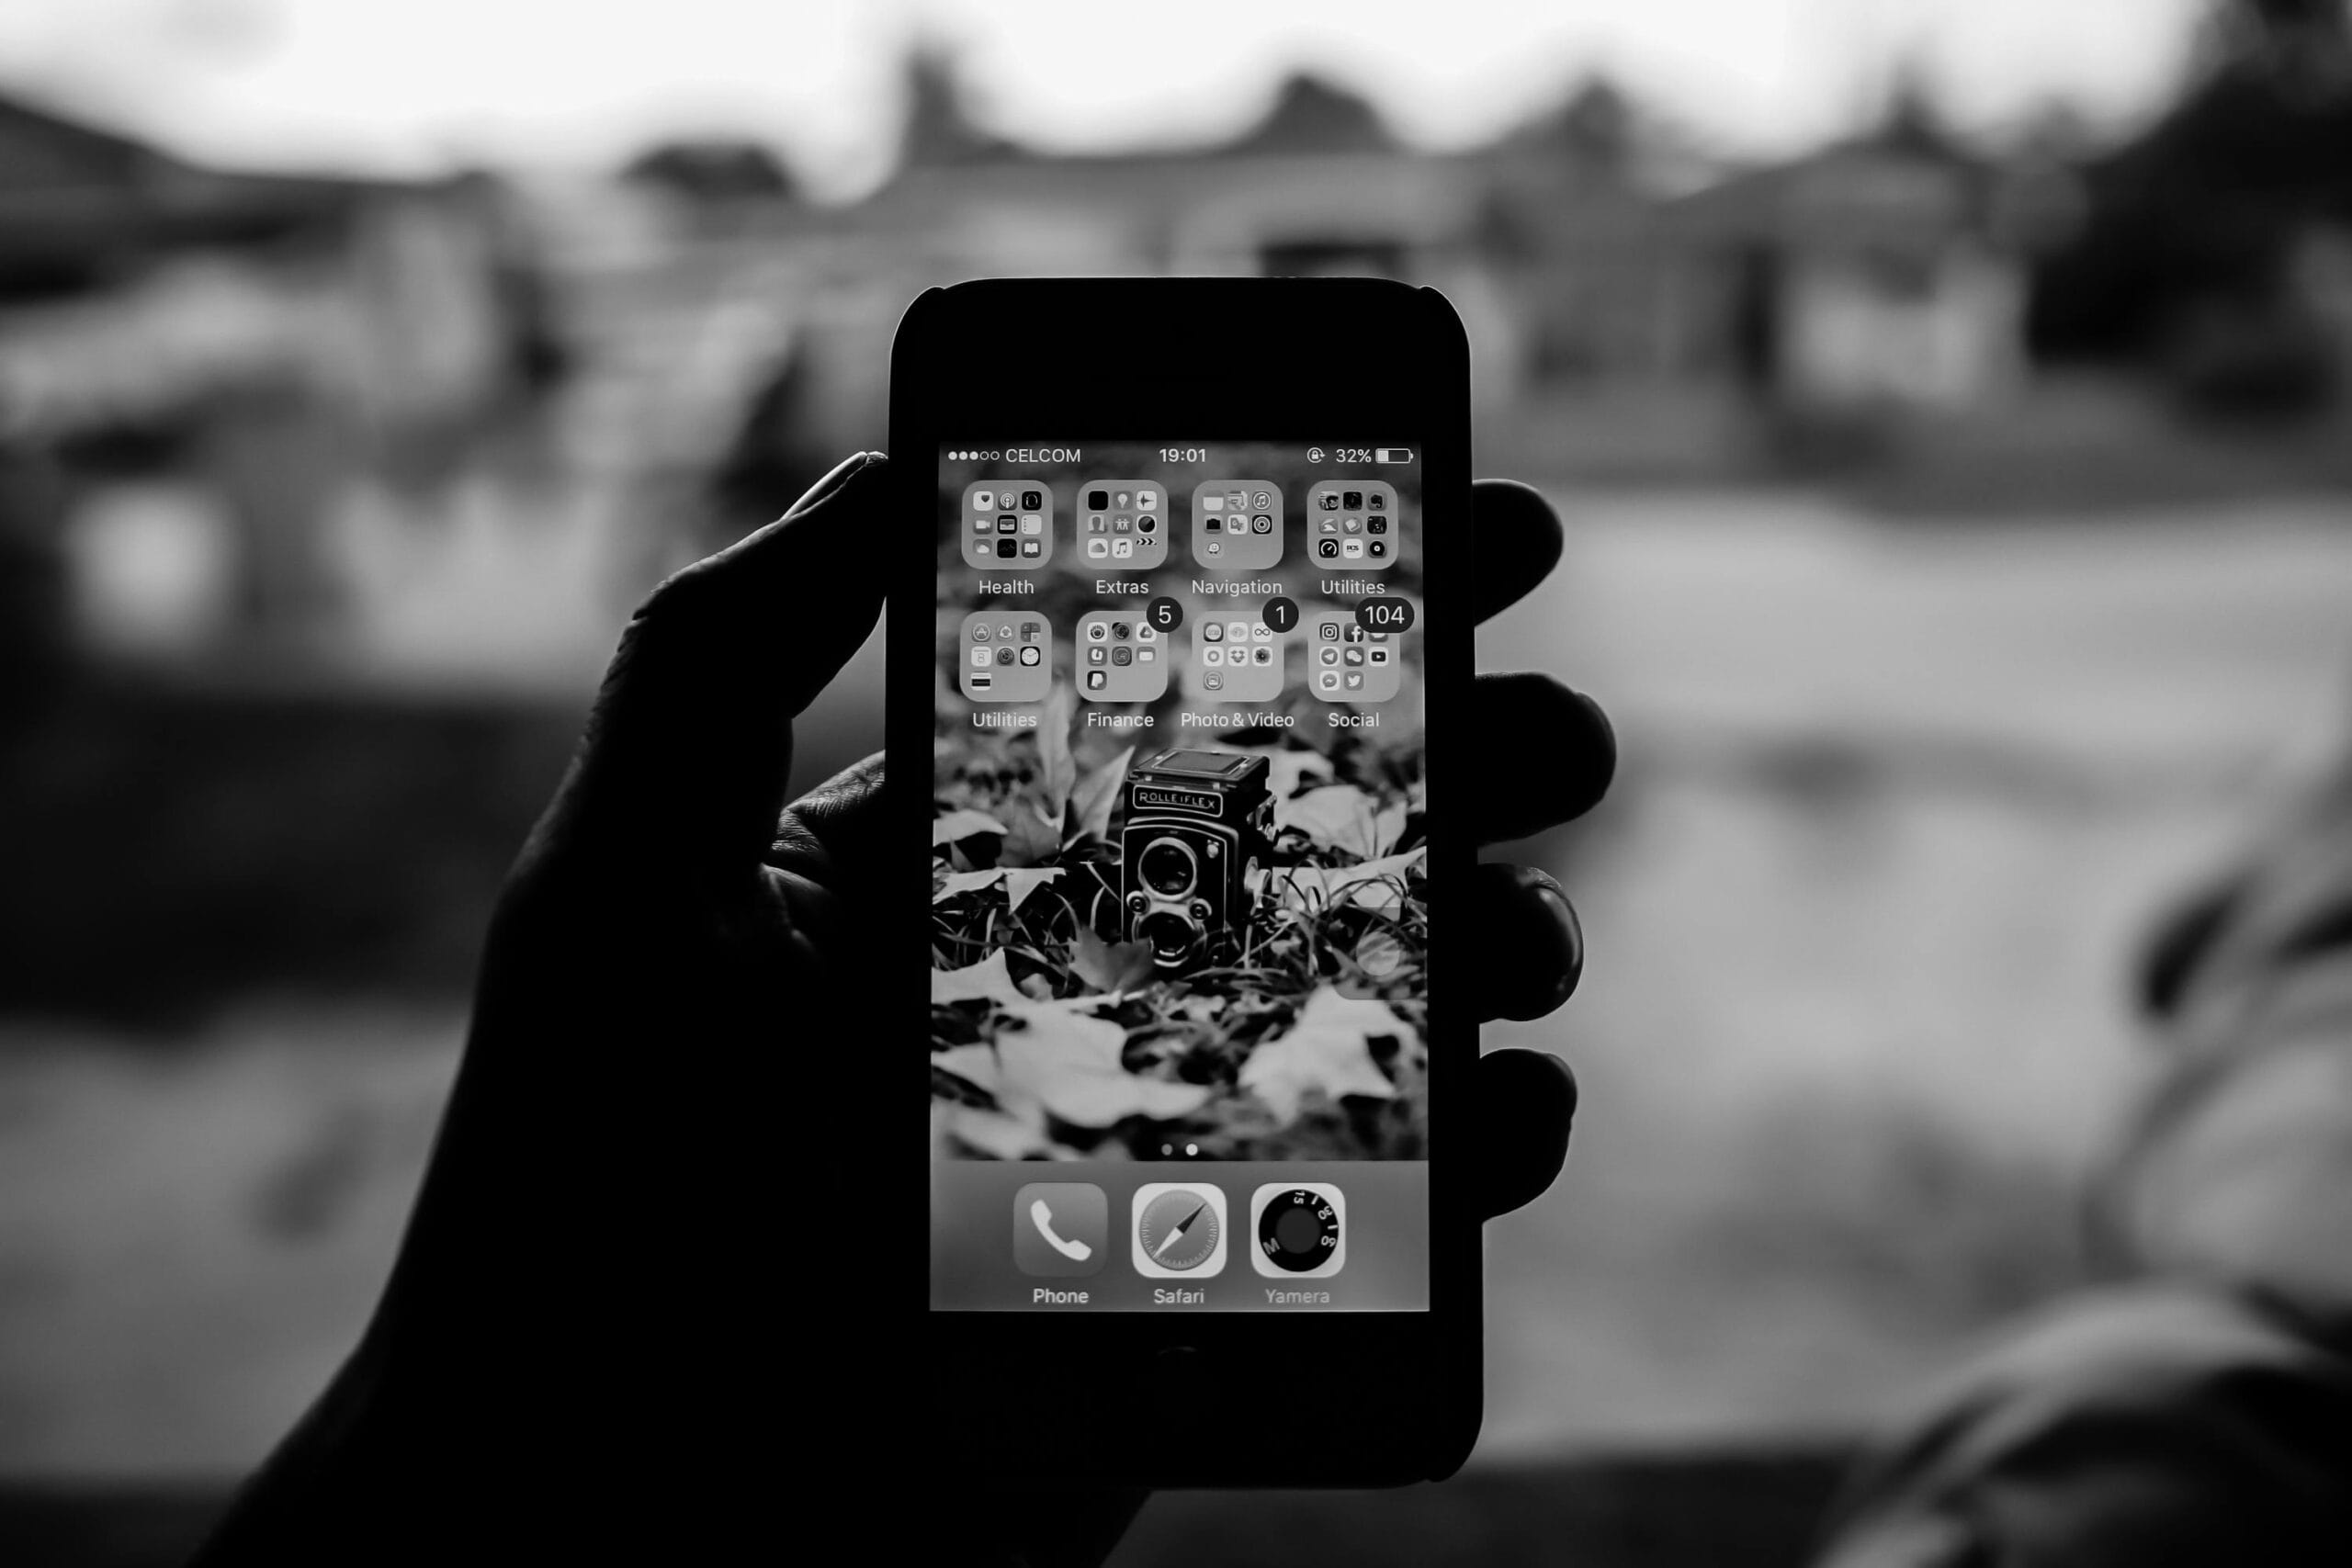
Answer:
(1179, 908)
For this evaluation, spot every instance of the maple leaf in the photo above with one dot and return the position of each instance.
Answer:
(1328, 1049)
(962, 824)
(1287, 768)
(1090, 807)
(1060, 769)
(1111, 967)
(1071, 1065)
(988, 980)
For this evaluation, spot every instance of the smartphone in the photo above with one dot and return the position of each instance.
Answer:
(1179, 654)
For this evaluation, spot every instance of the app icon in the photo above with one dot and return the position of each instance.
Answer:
(1330, 656)
(1355, 680)
(1213, 654)
(1120, 498)
(1094, 523)
(995, 670)
(1098, 631)
(1364, 510)
(1123, 524)
(1006, 522)
(1096, 680)
(1060, 1229)
(1212, 631)
(1097, 499)
(1123, 656)
(1146, 524)
(1032, 548)
(1120, 550)
(1098, 549)
(1355, 656)
(1179, 1230)
(1006, 549)
(984, 499)
(1032, 501)
(1095, 655)
(1328, 631)
(1237, 524)
(1032, 525)
(1327, 550)
(1298, 1230)
(1145, 499)
(1329, 679)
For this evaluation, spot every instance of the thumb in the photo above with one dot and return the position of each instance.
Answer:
(683, 763)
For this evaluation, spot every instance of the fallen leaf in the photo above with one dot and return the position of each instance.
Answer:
(1071, 1065)
(975, 1065)
(1339, 816)
(1327, 1049)
(986, 981)
(1033, 840)
(1059, 769)
(1287, 768)
(1090, 807)
(1020, 884)
(1000, 1134)
(1111, 967)
(962, 824)
(965, 882)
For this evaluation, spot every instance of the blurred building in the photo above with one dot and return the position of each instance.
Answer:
(326, 410)
(207, 363)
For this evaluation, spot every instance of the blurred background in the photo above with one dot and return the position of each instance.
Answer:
(1946, 399)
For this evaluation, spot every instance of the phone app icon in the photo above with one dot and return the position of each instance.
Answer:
(1111, 508)
(1180, 1230)
(1237, 525)
(1298, 1230)
(1060, 1229)
(1122, 662)
(1010, 659)
(1358, 538)
(1008, 528)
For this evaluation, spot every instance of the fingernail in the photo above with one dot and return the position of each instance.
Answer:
(848, 468)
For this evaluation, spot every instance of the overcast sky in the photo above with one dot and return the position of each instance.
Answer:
(408, 85)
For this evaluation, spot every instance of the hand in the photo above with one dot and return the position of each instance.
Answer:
(599, 1333)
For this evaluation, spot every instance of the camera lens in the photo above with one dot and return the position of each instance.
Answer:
(1172, 936)
(1168, 868)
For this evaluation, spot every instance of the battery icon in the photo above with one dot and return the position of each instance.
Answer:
(1394, 455)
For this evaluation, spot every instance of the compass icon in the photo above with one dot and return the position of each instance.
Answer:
(1179, 1230)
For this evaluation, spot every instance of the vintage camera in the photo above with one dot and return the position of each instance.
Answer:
(1198, 823)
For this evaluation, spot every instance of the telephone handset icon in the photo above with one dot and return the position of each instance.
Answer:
(1043, 1218)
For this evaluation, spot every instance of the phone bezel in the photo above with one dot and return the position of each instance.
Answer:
(1049, 1388)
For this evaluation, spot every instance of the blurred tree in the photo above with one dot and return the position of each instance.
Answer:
(2185, 260)
(716, 170)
